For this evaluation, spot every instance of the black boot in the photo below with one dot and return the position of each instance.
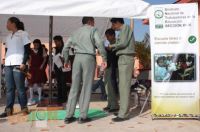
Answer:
(118, 119)
(69, 120)
(113, 110)
(81, 120)
(6, 113)
(106, 109)
(25, 111)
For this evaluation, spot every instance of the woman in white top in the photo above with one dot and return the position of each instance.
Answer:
(17, 53)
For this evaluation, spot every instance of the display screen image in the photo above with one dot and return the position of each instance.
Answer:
(175, 67)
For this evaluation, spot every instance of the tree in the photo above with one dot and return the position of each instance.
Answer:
(143, 52)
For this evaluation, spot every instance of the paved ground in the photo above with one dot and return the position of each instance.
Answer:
(143, 123)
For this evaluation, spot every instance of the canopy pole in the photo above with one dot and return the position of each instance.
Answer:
(50, 56)
(1, 67)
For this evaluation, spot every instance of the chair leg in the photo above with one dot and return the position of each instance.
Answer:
(145, 103)
(139, 100)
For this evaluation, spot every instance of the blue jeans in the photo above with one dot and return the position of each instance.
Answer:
(100, 84)
(15, 80)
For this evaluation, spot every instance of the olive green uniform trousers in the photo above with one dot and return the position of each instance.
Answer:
(82, 73)
(125, 67)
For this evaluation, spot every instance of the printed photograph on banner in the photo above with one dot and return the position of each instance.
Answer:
(175, 67)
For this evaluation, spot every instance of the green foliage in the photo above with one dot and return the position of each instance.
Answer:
(144, 54)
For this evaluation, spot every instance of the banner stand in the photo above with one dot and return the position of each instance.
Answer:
(175, 61)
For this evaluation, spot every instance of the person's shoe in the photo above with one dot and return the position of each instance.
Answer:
(81, 120)
(31, 102)
(69, 120)
(115, 113)
(6, 113)
(77, 106)
(118, 119)
(106, 108)
(113, 110)
(25, 111)
(3, 115)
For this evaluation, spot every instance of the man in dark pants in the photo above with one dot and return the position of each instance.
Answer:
(110, 74)
(61, 77)
(100, 84)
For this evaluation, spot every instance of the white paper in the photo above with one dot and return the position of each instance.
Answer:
(57, 61)
(106, 43)
(66, 69)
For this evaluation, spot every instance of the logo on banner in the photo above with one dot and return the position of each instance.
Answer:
(158, 14)
(192, 39)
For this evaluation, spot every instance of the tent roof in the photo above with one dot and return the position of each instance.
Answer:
(97, 8)
(38, 26)
(34, 14)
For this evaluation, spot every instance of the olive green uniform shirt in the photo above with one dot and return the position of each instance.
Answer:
(125, 42)
(85, 41)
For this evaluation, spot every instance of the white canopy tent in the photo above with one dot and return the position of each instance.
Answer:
(34, 14)
(98, 8)
(38, 26)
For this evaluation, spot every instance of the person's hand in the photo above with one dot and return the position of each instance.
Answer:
(104, 65)
(22, 67)
(110, 47)
(28, 75)
(67, 65)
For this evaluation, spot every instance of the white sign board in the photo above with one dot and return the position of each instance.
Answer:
(175, 60)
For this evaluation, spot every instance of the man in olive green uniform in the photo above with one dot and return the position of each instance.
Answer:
(110, 73)
(125, 50)
(84, 40)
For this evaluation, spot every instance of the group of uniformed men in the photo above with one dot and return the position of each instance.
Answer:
(85, 40)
